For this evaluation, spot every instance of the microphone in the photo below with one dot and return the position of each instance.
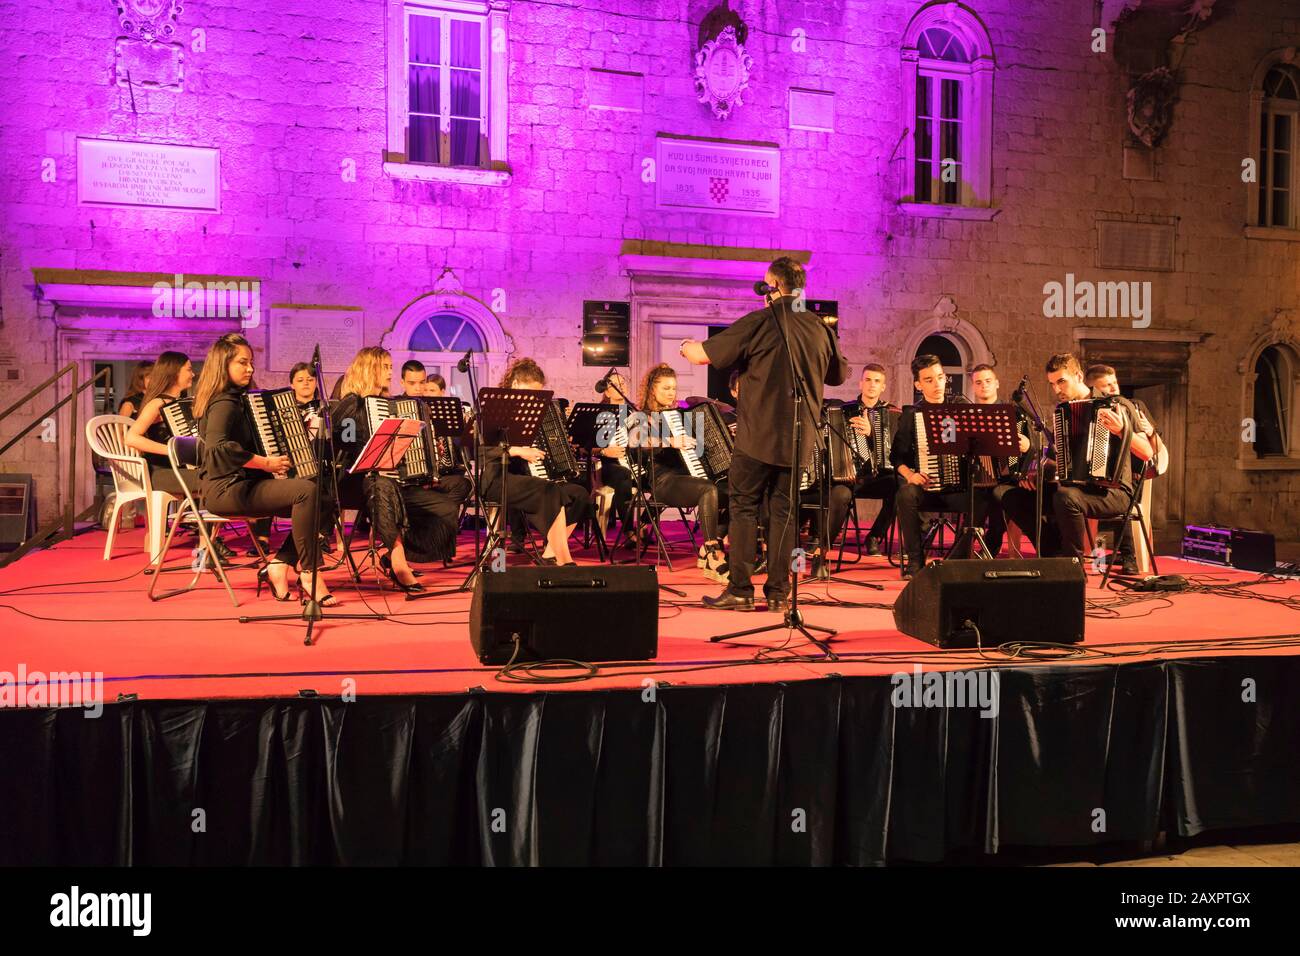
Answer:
(762, 288)
(601, 386)
(1019, 393)
(463, 365)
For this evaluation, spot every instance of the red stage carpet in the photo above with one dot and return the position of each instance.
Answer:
(68, 610)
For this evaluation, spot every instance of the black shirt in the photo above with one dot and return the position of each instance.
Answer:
(754, 343)
(228, 441)
(160, 432)
(135, 401)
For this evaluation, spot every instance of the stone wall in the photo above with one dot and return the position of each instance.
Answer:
(291, 91)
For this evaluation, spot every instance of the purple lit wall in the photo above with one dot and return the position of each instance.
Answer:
(296, 97)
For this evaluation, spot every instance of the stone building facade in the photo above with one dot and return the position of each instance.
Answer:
(333, 191)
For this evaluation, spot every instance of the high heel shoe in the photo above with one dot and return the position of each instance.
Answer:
(386, 566)
(323, 600)
(264, 577)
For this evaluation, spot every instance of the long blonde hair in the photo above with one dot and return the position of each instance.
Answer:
(215, 377)
(652, 378)
(365, 376)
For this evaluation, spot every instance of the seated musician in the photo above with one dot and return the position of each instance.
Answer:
(1066, 508)
(539, 500)
(574, 493)
(169, 376)
(674, 486)
(413, 521)
(303, 383)
(235, 481)
(134, 400)
(874, 480)
(414, 379)
(612, 473)
(435, 386)
(984, 389)
(1103, 379)
(918, 490)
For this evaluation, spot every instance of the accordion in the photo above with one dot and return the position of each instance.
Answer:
(704, 419)
(1086, 452)
(619, 439)
(179, 416)
(843, 463)
(560, 463)
(280, 430)
(675, 427)
(987, 471)
(944, 470)
(419, 464)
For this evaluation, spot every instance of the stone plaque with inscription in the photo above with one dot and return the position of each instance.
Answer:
(115, 173)
(293, 331)
(718, 176)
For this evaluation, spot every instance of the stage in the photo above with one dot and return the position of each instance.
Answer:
(1178, 714)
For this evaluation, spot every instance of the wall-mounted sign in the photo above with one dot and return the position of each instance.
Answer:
(295, 330)
(718, 176)
(722, 72)
(116, 173)
(605, 331)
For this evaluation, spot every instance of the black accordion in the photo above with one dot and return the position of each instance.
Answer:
(944, 470)
(419, 464)
(179, 416)
(843, 465)
(1086, 452)
(874, 449)
(280, 430)
(560, 463)
(704, 420)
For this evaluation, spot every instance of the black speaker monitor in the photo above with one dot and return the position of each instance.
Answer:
(1028, 600)
(596, 613)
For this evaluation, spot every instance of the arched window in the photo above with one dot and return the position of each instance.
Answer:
(1277, 146)
(439, 327)
(1277, 380)
(954, 356)
(948, 101)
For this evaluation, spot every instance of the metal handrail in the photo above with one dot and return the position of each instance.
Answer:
(63, 527)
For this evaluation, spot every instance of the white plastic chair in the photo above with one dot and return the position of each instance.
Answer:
(106, 435)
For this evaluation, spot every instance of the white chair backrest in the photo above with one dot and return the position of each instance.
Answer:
(106, 435)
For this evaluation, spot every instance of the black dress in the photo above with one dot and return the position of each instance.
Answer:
(231, 489)
(423, 517)
(161, 476)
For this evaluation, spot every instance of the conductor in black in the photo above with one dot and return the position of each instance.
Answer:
(764, 450)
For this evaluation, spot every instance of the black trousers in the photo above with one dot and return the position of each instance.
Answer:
(432, 512)
(684, 491)
(883, 487)
(911, 500)
(620, 479)
(749, 482)
(1066, 510)
(293, 498)
(164, 479)
(540, 500)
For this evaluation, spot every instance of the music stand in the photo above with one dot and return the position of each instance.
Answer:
(508, 417)
(974, 430)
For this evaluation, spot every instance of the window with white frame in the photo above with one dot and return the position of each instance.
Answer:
(940, 78)
(948, 102)
(1277, 146)
(446, 94)
(447, 69)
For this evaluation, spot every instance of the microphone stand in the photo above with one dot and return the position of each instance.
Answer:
(660, 549)
(326, 464)
(491, 534)
(793, 616)
(1026, 402)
